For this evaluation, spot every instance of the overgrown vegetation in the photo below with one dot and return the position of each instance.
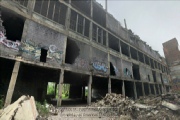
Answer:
(1, 101)
(42, 109)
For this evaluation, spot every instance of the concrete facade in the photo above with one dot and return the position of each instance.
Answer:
(79, 43)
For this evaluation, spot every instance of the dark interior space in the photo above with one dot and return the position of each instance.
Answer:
(112, 70)
(113, 43)
(136, 73)
(99, 88)
(73, 20)
(116, 86)
(13, 24)
(146, 89)
(6, 68)
(129, 89)
(161, 79)
(78, 83)
(33, 81)
(167, 88)
(139, 89)
(51, 9)
(141, 57)
(147, 60)
(104, 38)
(43, 55)
(133, 53)
(124, 49)
(157, 90)
(99, 14)
(154, 76)
(152, 63)
(152, 89)
(82, 5)
(86, 30)
(72, 51)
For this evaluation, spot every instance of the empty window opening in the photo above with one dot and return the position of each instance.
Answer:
(136, 73)
(73, 20)
(72, 51)
(152, 63)
(116, 86)
(80, 24)
(146, 89)
(99, 15)
(51, 88)
(13, 25)
(148, 76)
(147, 60)
(65, 91)
(104, 37)
(152, 89)
(82, 5)
(94, 32)
(43, 55)
(133, 53)
(124, 49)
(51, 9)
(141, 57)
(154, 76)
(86, 31)
(113, 42)
(161, 78)
(129, 89)
(139, 89)
(112, 70)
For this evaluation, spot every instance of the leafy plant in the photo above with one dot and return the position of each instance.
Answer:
(42, 109)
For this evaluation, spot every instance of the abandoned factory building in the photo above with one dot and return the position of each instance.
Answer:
(76, 43)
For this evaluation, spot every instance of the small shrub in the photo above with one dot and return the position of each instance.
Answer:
(42, 110)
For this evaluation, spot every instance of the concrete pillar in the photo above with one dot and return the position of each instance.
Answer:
(109, 85)
(89, 90)
(135, 92)
(123, 89)
(61, 80)
(68, 15)
(12, 83)
(30, 6)
(143, 89)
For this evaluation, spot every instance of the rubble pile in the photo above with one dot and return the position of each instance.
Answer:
(162, 107)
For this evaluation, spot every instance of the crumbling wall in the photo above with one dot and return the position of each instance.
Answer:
(38, 37)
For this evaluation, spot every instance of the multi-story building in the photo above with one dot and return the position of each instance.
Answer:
(172, 55)
(77, 43)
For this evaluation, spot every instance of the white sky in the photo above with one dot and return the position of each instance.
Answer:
(154, 21)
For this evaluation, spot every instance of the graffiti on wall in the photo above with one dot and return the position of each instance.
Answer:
(127, 73)
(82, 63)
(99, 66)
(9, 43)
(54, 54)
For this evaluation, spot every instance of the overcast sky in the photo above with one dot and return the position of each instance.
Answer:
(154, 21)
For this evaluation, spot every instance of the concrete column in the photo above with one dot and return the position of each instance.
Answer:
(89, 90)
(61, 80)
(12, 83)
(68, 15)
(123, 89)
(109, 85)
(143, 89)
(30, 6)
(135, 92)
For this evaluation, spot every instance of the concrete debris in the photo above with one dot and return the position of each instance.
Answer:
(22, 109)
(162, 107)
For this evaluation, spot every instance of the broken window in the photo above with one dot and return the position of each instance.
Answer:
(73, 20)
(136, 73)
(51, 9)
(113, 42)
(124, 49)
(43, 55)
(112, 70)
(154, 76)
(86, 30)
(141, 56)
(133, 53)
(80, 24)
